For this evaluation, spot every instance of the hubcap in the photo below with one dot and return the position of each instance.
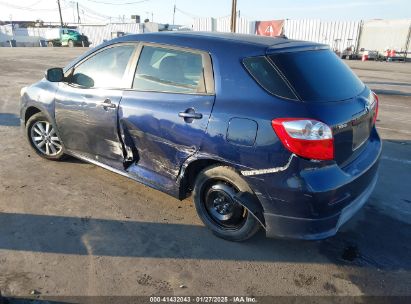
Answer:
(220, 205)
(45, 138)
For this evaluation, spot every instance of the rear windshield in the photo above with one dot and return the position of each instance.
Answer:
(318, 75)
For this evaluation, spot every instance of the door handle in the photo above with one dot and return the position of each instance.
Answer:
(190, 114)
(107, 104)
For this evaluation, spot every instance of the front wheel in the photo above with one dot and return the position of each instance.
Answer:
(70, 43)
(214, 193)
(43, 137)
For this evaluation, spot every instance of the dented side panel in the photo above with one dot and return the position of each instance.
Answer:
(155, 136)
(86, 126)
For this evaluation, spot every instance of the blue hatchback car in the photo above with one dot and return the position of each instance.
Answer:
(264, 132)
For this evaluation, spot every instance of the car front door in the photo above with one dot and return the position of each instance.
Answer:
(87, 105)
(165, 115)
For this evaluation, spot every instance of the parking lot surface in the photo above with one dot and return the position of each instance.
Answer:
(71, 228)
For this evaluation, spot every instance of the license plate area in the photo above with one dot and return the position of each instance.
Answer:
(361, 132)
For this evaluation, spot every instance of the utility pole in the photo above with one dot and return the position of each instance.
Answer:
(61, 17)
(174, 13)
(233, 16)
(78, 15)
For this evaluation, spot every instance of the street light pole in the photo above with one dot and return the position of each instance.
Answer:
(233, 16)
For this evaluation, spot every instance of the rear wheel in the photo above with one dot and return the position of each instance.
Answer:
(70, 43)
(214, 193)
(50, 44)
(43, 137)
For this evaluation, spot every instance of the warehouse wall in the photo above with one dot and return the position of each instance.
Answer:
(381, 35)
(337, 34)
(98, 33)
(243, 25)
(204, 24)
(23, 36)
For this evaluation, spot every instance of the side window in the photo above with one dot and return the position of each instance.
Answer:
(105, 69)
(267, 77)
(168, 70)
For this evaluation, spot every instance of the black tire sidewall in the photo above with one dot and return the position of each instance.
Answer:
(227, 174)
(32, 120)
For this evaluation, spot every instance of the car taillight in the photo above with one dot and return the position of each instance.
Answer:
(376, 107)
(307, 138)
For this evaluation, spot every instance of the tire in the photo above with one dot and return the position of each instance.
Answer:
(50, 44)
(43, 139)
(70, 43)
(219, 183)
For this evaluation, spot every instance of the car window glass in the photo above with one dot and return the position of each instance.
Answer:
(168, 70)
(318, 76)
(105, 69)
(267, 77)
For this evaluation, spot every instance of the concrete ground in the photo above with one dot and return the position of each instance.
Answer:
(71, 228)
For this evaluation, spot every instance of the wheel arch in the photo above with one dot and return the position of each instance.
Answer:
(30, 111)
(192, 168)
(190, 171)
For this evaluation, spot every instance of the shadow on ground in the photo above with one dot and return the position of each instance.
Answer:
(9, 119)
(376, 241)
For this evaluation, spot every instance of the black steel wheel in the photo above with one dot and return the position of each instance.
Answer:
(214, 193)
(218, 198)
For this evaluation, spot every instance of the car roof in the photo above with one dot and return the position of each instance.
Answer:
(215, 37)
(213, 40)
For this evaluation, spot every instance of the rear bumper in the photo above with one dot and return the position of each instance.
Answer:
(312, 200)
(315, 229)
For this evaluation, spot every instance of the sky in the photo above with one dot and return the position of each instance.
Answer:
(104, 11)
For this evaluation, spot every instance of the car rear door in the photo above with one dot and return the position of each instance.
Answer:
(164, 116)
(86, 106)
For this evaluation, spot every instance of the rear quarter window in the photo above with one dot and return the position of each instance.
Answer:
(265, 74)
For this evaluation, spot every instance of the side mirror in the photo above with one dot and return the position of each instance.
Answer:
(55, 75)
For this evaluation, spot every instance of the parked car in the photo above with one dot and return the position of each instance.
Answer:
(65, 37)
(264, 132)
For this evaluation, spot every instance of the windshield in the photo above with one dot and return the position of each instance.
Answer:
(318, 75)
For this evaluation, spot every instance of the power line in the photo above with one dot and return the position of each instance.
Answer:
(25, 8)
(115, 3)
(35, 3)
(186, 13)
(89, 10)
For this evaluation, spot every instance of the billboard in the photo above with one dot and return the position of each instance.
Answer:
(269, 28)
